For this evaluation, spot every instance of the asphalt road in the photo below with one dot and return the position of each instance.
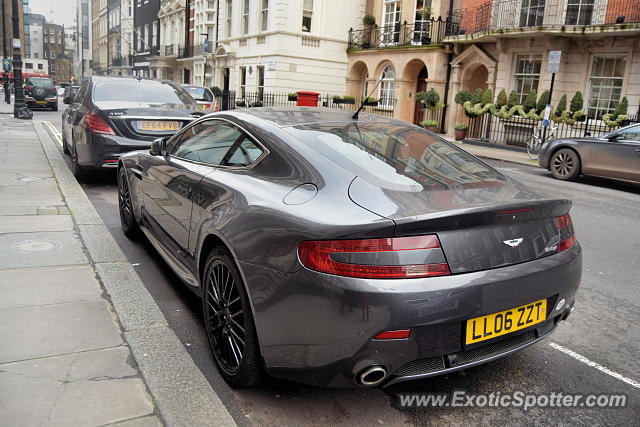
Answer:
(595, 351)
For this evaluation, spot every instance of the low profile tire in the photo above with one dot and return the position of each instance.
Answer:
(229, 322)
(565, 164)
(128, 220)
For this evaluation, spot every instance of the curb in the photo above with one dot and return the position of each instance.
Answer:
(182, 394)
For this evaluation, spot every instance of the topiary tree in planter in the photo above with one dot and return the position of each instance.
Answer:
(487, 97)
(502, 99)
(430, 125)
(530, 101)
(562, 105)
(462, 97)
(477, 97)
(369, 20)
(431, 100)
(460, 131)
(543, 101)
(576, 102)
(513, 99)
(619, 115)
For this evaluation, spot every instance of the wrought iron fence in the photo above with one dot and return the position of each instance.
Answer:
(509, 14)
(232, 100)
(171, 50)
(430, 31)
(516, 131)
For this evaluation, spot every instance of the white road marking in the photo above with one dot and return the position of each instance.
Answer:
(599, 367)
(57, 135)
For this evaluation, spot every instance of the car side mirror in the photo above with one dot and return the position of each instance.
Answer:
(159, 147)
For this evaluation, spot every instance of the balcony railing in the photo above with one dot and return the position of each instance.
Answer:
(511, 14)
(171, 50)
(417, 33)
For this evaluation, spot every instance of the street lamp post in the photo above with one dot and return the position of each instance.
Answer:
(20, 109)
(5, 74)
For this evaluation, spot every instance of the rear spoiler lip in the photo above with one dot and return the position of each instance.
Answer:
(482, 215)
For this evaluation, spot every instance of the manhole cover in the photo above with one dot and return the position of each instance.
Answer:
(29, 246)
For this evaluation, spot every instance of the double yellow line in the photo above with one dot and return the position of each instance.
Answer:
(54, 131)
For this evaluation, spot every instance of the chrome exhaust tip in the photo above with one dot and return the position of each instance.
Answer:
(372, 375)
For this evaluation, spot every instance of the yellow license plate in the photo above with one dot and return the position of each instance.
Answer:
(41, 102)
(157, 125)
(497, 324)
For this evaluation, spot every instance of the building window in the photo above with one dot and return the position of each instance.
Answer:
(387, 90)
(391, 22)
(260, 72)
(245, 17)
(53, 54)
(229, 16)
(307, 14)
(58, 39)
(45, 31)
(532, 13)
(40, 67)
(154, 36)
(579, 12)
(46, 54)
(264, 13)
(28, 65)
(52, 39)
(36, 55)
(605, 84)
(527, 74)
(139, 39)
(243, 82)
(146, 37)
(365, 85)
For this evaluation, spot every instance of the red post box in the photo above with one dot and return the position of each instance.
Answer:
(307, 99)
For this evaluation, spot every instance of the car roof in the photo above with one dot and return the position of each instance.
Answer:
(295, 116)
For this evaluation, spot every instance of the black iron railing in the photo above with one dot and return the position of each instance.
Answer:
(230, 101)
(517, 131)
(171, 50)
(427, 32)
(511, 14)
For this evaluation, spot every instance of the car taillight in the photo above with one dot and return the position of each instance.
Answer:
(96, 124)
(567, 236)
(389, 258)
(208, 106)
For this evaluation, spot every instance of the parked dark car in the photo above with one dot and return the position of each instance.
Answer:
(110, 116)
(349, 252)
(615, 155)
(41, 92)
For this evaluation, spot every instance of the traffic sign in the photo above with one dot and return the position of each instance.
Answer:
(554, 61)
(6, 64)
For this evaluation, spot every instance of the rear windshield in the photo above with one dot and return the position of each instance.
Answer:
(41, 82)
(394, 155)
(199, 93)
(143, 91)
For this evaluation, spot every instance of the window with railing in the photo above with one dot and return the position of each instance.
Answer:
(387, 90)
(605, 84)
(243, 81)
(390, 22)
(532, 13)
(579, 12)
(526, 75)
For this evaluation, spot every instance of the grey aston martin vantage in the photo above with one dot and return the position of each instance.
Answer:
(349, 252)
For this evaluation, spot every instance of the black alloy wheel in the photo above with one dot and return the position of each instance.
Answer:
(65, 146)
(565, 164)
(128, 221)
(228, 321)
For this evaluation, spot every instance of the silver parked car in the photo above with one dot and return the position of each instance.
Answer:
(349, 251)
(615, 155)
(204, 97)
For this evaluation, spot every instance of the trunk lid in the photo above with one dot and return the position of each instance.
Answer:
(494, 225)
(147, 121)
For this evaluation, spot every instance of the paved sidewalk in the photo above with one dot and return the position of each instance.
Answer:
(82, 341)
(497, 152)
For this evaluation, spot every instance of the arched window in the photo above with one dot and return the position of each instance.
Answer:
(387, 91)
(365, 85)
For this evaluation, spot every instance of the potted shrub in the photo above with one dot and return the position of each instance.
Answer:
(337, 99)
(369, 21)
(463, 96)
(292, 96)
(562, 105)
(576, 105)
(256, 103)
(241, 103)
(370, 100)
(460, 131)
(430, 125)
